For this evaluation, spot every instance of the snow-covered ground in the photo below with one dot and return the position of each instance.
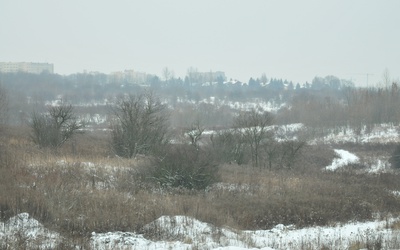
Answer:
(345, 158)
(257, 104)
(383, 133)
(24, 232)
(182, 232)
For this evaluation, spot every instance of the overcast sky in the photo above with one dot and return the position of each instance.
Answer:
(295, 40)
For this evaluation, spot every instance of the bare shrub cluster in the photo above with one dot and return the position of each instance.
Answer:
(232, 147)
(55, 127)
(140, 125)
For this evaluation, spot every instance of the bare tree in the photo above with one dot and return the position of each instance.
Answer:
(167, 74)
(192, 74)
(253, 126)
(195, 133)
(229, 146)
(140, 124)
(290, 150)
(272, 153)
(55, 127)
(386, 78)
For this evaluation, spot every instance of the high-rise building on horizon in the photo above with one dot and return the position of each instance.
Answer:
(27, 67)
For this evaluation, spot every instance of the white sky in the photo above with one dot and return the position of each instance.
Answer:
(295, 40)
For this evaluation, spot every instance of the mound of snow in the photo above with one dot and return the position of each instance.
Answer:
(190, 230)
(118, 240)
(22, 229)
(173, 227)
(345, 158)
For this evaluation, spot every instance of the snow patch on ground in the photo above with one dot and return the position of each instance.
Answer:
(24, 231)
(345, 158)
(257, 104)
(383, 133)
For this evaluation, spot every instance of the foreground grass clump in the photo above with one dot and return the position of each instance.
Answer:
(77, 194)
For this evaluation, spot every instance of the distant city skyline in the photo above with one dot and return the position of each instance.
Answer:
(28, 67)
(294, 40)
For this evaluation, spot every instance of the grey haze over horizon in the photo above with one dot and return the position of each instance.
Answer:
(294, 40)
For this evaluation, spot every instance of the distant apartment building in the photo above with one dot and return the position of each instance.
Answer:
(128, 76)
(135, 77)
(27, 67)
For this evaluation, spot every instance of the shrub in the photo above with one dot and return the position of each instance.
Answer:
(395, 159)
(55, 127)
(185, 167)
(140, 125)
(229, 147)
(7, 183)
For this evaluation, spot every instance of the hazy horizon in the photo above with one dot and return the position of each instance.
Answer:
(293, 40)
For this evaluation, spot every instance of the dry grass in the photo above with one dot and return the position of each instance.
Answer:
(76, 194)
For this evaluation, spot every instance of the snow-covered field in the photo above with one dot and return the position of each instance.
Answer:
(181, 232)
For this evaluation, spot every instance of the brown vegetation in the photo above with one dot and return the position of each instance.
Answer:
(79, 194)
